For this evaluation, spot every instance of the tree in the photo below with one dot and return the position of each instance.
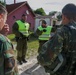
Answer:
(59, 17)
(40, 11)
(52, 13)
(2, 2)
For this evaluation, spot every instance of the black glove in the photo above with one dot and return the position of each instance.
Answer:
(44, 30)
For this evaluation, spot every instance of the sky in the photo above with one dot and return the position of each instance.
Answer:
(47, 5)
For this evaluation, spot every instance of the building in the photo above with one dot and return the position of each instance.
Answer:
(55, 20)
(15, 12)
(38, 20)
(51, 20)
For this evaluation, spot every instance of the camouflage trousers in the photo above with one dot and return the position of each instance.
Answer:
(41, 42)
(21, 49)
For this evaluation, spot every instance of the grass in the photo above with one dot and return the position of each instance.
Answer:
(32, 45)
(32, 48)
(11, 36)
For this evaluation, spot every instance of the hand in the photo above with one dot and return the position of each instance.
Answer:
(44, 30)
(5, 29)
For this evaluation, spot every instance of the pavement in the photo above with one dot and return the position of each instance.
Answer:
(31, 68)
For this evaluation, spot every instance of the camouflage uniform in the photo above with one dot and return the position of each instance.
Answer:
(64, 41)
(21, 42)
(8, 64)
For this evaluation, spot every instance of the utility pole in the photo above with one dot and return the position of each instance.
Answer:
(14, 1)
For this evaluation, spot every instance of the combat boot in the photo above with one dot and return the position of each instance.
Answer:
(24, 61)
(20, 62)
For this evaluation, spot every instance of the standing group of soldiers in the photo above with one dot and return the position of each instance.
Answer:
(62, 42)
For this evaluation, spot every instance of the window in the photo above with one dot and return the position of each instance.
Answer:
(27, 12)
(14, 17)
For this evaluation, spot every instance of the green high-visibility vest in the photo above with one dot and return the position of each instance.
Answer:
(45, 35)
(23, 27)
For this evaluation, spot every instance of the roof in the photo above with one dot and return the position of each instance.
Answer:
(47, 16)
(13, 7)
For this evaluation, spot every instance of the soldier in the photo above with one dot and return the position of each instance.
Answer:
(8, 64)
(43, 31)
(21, 31)
(62, 48)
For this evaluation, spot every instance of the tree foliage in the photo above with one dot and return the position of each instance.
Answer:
(2, 2)
(40, 11)
(59, 17)
(52, 13)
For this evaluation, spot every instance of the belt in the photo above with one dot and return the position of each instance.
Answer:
(21, 37)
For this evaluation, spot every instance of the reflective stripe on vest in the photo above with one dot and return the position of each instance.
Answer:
(23, 27)
(45, 35)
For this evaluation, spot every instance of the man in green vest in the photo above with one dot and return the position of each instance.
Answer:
(43, 31)
(21, 31)
(8, 65)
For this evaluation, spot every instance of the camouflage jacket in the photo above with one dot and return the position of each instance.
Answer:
(8, 65)
(60, 43)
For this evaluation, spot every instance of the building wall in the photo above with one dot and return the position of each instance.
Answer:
(38, 22)
(57, 22)
(16, 15)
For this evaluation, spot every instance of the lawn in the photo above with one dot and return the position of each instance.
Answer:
(32, 45)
